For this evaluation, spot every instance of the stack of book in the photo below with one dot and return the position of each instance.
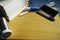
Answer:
(13, 7)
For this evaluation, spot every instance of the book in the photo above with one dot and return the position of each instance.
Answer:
(13, 7)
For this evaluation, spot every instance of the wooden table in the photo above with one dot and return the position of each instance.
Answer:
(33, 26)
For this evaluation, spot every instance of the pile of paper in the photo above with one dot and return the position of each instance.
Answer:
(13, 7)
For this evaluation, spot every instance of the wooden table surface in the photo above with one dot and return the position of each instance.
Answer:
(33, 26)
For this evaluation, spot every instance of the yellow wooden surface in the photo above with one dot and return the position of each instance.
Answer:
(33, 26)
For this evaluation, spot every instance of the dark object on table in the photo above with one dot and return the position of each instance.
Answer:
(3, 13)
(47, 12)
(5, 32)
